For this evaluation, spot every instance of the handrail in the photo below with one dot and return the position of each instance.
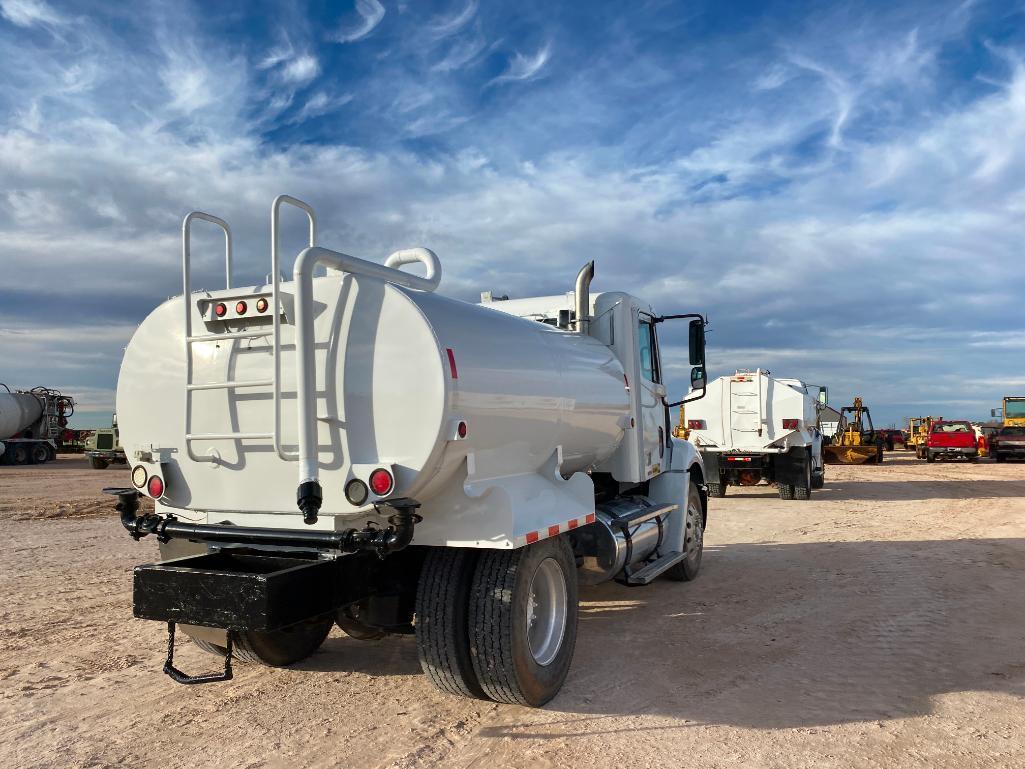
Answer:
(309, 494)
(276, 301)
(187, 300)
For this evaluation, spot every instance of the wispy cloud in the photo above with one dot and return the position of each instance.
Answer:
(447, 26)
(28, 13)
(523, 67)
(371, 13)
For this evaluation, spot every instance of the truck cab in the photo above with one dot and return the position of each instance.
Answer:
(952, 439)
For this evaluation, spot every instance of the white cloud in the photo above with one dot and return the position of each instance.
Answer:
(27, 13)
(302, 69)
(449, 26)
(524, 67)
(371, 13)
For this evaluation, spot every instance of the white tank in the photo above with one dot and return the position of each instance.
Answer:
(18, 411)
(397, 372)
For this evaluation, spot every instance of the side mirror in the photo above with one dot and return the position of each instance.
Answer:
(697, 378)
(697, 344)
(824, 396)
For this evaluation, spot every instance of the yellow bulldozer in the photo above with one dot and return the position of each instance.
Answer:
(855, 441)
(918, 434)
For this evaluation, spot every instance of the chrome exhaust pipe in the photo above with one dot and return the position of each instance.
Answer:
(583, 297)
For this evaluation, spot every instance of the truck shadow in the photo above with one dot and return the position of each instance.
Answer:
(392, 656)
(910, 490)
(798, 635)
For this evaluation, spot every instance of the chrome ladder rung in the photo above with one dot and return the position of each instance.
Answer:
(231, 335)
(227, 436)
(230, 385)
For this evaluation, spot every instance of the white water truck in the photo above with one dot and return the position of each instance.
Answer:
(32, 423)
(753, 427)
(356, 448)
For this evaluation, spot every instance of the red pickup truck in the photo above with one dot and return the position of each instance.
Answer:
(1007, 442)
(954, 438)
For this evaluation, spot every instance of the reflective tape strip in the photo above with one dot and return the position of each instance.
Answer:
(553, 531)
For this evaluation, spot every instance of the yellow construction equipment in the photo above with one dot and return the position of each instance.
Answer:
(854, 443)
(918, 434)
(1013, 411)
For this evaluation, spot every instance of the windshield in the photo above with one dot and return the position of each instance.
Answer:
(1012, 431)
(952, 427)
(1014, 409)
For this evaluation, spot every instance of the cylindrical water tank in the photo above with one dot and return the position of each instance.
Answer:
(397, 372)
(18, 411)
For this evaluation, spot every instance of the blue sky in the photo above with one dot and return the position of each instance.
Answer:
(838, 186)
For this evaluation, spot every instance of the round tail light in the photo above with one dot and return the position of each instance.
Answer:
(356, 492)
(241, 308)
(155, 487)
(381, 482)
(261, 305)
(220, 309)
(139, 477)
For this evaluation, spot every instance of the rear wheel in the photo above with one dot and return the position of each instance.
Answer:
(786, 490)
(523, 621)
(285, 646)
(40, 453)
(19, 454)
(930, 457)
(97, 464)
(693, 540)
(802, 489)
(717, 489)
(442, 621)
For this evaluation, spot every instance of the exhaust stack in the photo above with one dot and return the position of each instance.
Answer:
(583, 296)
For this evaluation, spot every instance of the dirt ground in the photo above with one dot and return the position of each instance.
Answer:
(882, 624)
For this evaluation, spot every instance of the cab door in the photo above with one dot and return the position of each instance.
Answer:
(651, 392)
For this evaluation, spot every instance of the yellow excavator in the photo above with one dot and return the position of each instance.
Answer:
(855, 441)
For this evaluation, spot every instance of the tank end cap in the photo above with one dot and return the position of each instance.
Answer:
(309, 498)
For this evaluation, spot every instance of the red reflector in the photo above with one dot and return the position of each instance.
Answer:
(789, 424)
(461, 430)
(695, 424)
(452, 363)
(380, 482)
(155, 487)
(574, 523)
(532, 537)
(220, 309)
(553, 531)
(590, 518)
(241, 308)
(261, 305)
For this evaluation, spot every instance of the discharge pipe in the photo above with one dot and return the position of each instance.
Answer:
(309, 494)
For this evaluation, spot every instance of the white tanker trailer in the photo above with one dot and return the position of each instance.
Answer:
(31, 424)
(358, 449)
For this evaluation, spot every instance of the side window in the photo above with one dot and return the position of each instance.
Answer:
(646, 350)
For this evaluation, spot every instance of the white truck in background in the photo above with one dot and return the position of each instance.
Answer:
(753, 427)
(32, 424)
(357, 449)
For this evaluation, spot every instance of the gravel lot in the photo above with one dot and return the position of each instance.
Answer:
(882, 624)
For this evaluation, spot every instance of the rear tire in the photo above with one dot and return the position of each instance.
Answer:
(523, 621)
(209, 648)
(999, 457)
(693, 540)
(717, 490)
(802, 490)
(929, 457)
(40, 454)
(442, 621)
(97, 464)
(818, 480)
(286, 646)
(19, 454)
(786, 490)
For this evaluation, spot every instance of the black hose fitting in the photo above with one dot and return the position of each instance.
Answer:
(309, 498)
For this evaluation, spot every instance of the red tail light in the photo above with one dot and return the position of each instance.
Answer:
(155, 487)
(241, 308)
(261, 305)
(790, 424)
(220, 309)
(695, 424)
(381, 482)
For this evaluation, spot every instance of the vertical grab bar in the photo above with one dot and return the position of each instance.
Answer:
(275, 284)
(187, 304)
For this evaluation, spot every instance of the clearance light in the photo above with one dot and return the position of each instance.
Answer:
(381, 482)
(261, 305)
(789, 424)
(695, 424)
(220, 309)
(139, 477)
(155, 487)
(356, 492)
(241, 308)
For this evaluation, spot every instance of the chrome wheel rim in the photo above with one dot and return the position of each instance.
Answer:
(695, 532)
(546, 611)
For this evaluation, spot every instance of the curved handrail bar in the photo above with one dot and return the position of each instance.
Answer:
(275, 299)
(305, 372)
(187, 303)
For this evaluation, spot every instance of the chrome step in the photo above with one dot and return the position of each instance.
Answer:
(650, 571)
